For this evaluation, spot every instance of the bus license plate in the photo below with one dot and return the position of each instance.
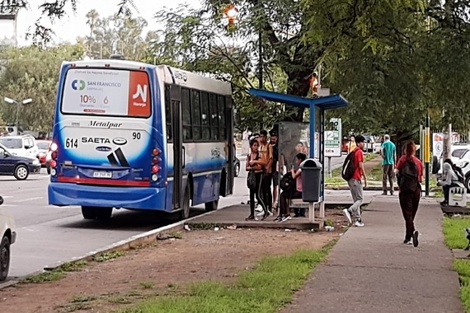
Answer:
(103, 174)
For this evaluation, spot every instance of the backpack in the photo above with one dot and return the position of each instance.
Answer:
(287, 183)
(348, 169)
(458, 171)
(408, 178)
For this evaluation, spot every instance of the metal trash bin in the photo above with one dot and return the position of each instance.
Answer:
(311, 180)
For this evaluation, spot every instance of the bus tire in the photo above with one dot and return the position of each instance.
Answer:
(186, 209)
(94, 213)
(212, 206)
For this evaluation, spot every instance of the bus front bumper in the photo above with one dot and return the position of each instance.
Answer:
(138, 198)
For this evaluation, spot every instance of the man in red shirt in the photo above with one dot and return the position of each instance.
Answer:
(355, 185)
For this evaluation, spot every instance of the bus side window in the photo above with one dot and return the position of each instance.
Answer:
(214, 117)
(205, 115)
(186, 108)
(196, 118)
(222, 128)
(169, 133)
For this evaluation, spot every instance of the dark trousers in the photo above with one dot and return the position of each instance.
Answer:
(284, 201)
(446, 189)
(409, 202)
(388, 175)
(256, 192)
(266, 193)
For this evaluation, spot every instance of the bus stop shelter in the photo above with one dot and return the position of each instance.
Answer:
(320, 104)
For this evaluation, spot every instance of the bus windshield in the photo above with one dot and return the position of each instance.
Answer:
(107, 92)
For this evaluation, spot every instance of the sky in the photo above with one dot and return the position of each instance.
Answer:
(74, 24)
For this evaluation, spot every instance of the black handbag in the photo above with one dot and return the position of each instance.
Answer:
(251, 180)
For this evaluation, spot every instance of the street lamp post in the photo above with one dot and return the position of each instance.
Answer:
(24, 102)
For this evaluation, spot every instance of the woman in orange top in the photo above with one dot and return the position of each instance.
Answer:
(254, 164)
(409, 199)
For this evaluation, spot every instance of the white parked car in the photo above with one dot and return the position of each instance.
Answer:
(21, 145)
(8, 237)
(458, 152)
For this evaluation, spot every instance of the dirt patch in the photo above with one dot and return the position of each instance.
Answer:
(163, 268)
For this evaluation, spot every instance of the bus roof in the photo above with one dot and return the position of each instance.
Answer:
(167, 74)
(192, 80)
(112, 63)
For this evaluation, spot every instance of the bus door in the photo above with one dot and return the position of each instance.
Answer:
(178, 148)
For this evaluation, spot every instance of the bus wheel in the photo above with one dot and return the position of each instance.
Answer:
(186, 208)
(94, 213)
(212, 206)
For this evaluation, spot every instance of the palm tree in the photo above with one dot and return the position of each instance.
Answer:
(93, 18)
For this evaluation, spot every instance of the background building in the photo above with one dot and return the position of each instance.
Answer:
(8, 30)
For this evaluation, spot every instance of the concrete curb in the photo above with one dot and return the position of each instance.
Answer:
(126, 244)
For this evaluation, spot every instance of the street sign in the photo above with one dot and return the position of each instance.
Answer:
(332, 138)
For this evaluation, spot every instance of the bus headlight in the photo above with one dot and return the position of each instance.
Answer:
(53, 171)
(154, 177)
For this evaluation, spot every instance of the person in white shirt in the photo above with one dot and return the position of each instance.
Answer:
(450, 179)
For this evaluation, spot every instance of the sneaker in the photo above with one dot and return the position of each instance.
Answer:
(286, 218)
(415, 238)
(250, 218)
(384, 193)
(347, 215)
(265, 216)
(359, 224)
(278, 218)
(407, 242)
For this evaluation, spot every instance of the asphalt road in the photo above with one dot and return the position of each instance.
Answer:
(48, 235)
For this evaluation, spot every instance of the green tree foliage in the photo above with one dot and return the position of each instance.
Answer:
(394, 60)
(33, 73)
(121, 34)
(52, 10)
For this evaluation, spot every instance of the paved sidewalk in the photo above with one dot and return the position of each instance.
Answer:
(371, 270)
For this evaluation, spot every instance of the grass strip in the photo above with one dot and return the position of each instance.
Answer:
(453, 229)
(266, 288)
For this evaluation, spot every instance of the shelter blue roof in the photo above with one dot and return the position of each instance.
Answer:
(327, 103)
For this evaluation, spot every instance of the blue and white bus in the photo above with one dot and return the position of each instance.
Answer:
(140, 137)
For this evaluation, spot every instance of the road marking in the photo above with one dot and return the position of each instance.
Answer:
(30, 199)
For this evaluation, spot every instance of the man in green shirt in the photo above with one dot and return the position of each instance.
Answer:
(389, 155)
